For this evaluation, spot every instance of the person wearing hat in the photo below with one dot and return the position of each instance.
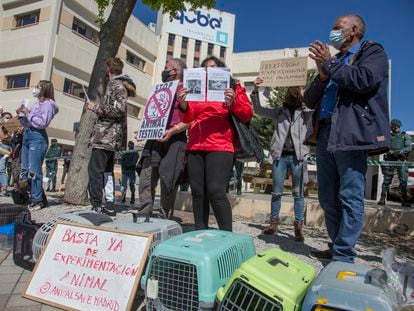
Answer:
(400, 148)
(52, 165)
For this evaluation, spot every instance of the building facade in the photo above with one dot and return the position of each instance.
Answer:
(58, 40)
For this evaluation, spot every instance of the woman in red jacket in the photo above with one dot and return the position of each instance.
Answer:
(210, 147)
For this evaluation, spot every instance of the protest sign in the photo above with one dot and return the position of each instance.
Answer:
(12, 125)
(284, 72)
(217, 79)
(89, 268)
(195, 81)
(157, 111)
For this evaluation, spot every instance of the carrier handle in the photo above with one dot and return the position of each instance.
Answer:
(343, 274)
(274, 261)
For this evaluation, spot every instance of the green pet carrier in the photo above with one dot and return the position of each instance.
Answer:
(184, 272)
(270, 281)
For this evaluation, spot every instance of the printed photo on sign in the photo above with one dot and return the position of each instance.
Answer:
(89, 268)
(157, 111)
(218, 79)
(194, 80)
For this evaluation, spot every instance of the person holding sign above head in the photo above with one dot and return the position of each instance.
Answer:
(350, 97)
(164, 159)
(211, 141)
(109, 133)
(292, 128)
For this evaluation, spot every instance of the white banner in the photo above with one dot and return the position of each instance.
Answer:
(206, 25)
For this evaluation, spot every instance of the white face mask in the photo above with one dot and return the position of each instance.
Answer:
(35, 92)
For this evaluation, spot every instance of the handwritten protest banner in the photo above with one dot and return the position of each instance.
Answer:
(284, 72)
(89, 268)
(157, 111)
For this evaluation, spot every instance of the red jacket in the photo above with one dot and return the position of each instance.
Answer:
(212, 129)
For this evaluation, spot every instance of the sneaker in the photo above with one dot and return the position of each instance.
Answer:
(321, 255)
(36, 206)
(109, 212)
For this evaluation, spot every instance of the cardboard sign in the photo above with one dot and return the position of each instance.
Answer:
(284, 72)
(89, 268)
(157, 110)
(12, 125)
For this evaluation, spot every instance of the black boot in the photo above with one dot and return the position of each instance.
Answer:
(239, 187)
(404, 202)
(132, 198)
(382, 199)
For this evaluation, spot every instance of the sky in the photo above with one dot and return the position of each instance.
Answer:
(276, 24)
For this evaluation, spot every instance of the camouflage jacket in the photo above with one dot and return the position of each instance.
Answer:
(110, 130)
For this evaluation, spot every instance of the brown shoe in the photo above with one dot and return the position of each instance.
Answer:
(272, 228)
(299, 231)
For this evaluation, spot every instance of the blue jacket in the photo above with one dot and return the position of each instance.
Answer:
(360, 119)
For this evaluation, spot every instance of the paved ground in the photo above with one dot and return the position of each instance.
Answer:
(12, 278)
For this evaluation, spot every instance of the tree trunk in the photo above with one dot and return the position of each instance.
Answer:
(110, 37)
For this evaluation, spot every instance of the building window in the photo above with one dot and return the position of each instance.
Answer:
(171, 39)
(196, 61)
(184, 43)
(197, 46)
(18, 81)
(169, 54)
(210, 49)
(133, 111)
(135, 60)
(74, 88)
(27, 19)
(85, 30)
(222, 52)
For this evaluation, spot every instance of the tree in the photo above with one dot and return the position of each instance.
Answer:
(110, 37)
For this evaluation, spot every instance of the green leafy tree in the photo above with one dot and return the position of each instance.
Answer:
(110, 37)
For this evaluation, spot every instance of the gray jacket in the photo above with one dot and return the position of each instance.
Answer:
(301, 128)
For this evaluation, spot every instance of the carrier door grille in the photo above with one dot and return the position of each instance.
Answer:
(242, 297)
(177, 284)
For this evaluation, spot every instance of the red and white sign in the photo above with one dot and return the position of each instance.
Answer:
(157, 111)
(89, 268)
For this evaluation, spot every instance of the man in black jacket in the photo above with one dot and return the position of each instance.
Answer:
(350, 98)
(129, 161)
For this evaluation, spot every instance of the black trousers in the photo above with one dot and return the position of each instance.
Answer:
(208, 174)
(101, 162)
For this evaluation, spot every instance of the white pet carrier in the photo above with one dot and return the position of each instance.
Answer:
(79, 216)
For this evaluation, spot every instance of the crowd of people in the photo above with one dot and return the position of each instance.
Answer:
(344, 110)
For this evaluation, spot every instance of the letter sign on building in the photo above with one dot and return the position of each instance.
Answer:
(205, 25)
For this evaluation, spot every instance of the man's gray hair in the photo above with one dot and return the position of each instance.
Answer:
(179, 65)
(359, 22)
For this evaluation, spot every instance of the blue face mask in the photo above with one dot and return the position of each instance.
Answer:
(337, 39)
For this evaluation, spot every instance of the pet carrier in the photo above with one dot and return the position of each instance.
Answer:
(24, 233)
(79, 216)
(344, 286)
(162, 229)
(185, 272)
(6, 236)
(273, 280)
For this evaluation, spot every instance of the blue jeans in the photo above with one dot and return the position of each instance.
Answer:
(341, 191)
(279, 170)
(128, 178)
(3, 166)
(33, 152)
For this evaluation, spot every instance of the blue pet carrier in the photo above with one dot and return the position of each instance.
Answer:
(185, 272)
(344, 286)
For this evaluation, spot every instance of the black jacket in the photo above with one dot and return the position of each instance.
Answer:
(360, 119)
